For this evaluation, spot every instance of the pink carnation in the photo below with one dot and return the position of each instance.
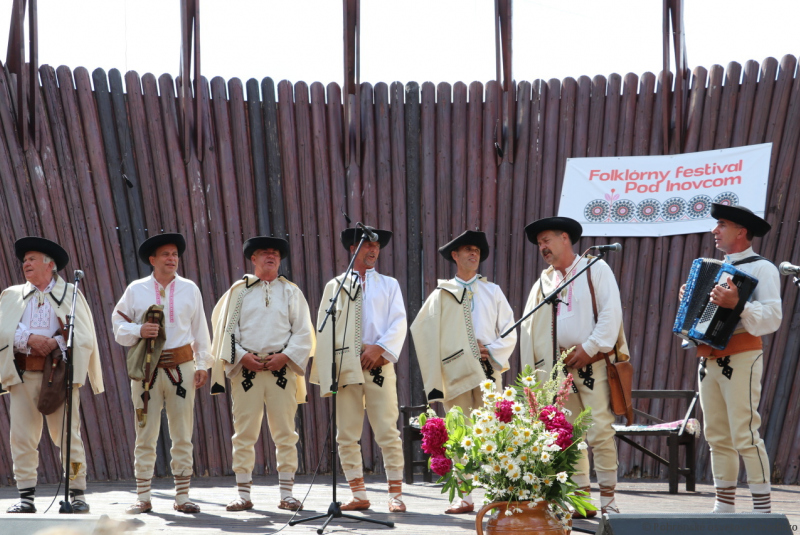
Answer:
(554, 420)
(503, 411)
(434, 435)
(441, 465)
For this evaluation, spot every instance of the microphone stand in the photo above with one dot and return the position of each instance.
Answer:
(334, 509)
(66, 506)
(552, 298)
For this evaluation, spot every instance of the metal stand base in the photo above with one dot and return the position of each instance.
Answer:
(335, 511)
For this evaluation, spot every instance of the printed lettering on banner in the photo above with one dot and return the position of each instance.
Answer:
(663, 195)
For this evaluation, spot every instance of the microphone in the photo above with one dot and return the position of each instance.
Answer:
(368, 232)
(606, 248)
(78, 274)
(788, 269)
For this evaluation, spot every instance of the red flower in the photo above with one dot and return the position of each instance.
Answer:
(434, 435)
(554, 420)
(503, 411)
(441, 465)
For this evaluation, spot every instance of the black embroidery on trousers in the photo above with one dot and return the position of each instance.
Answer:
(725, 364)
(281, 375)
(377, 376)
(586, 374)
(702, 372)
(180, 391)
(488, 371)
(247, 384)
(233, 349)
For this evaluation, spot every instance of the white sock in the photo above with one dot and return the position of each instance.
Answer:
(143, 489)
(762, 503)
(182, 489)
(243, 483)
(286, 482)
(356, 480)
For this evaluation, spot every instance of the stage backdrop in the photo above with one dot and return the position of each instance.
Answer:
(662, 195)
(109, 170)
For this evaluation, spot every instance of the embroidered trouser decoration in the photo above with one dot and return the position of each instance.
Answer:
(725, 364)
(377, 375)
(143, 489)
(281, 375)
(702, 372)
(176, 381)
(586, 374)
(725, 500)
(247, 384)
(182, 489)
(488, 371)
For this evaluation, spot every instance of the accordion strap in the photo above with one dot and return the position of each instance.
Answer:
(748, 260)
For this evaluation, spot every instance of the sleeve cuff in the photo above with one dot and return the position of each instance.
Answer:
(203, 361)
(591, 347)
(747, 311)
(388, 355)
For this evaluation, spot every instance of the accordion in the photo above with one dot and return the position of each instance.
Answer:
(699, 320)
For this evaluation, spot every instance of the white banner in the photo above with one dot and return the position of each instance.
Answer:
(662, 195)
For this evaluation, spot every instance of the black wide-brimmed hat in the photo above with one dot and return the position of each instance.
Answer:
(151, 244)
(468, 237)
(564, 224)
(265, 242)
(44, 246)
(351, 236)
(742, 216)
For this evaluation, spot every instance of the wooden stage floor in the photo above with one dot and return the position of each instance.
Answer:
(424, 501)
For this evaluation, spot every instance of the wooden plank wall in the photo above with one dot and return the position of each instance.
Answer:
(109, 172)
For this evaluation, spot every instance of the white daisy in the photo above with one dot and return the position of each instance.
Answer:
(518, 409)
(509, 512)
(528, 380)
(562, 477)
(528, 478)
(546, 457)
(487, 385)
(489, 447)
(510, 393)
(514, 474)
(582, 445)
(467, 442)
(566, 411)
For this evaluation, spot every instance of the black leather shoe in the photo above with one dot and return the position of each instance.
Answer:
(21, 507)
(80, 507)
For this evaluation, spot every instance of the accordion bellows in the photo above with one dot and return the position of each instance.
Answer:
(700, 321)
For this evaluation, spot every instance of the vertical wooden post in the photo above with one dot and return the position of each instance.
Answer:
(673, 11)
(352, 80)
(190, 35)
(506, 117)
(26, 95)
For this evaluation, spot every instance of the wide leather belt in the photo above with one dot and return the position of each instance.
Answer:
(739, 343)
(175, 356)
(29, 363)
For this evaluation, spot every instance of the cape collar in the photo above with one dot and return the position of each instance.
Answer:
(57, 290)
(456, 289)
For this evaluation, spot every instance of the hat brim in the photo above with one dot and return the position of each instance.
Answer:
(468, 237)
(42, 245)
(151, 244)
(744, 217)
(265, 242)
(564, 224)
(351, 236)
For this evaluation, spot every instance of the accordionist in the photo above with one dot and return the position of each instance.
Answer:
(730, 378)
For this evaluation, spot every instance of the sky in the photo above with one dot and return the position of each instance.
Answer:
(408, 40)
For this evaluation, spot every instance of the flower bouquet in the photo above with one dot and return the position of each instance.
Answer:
(518, 447)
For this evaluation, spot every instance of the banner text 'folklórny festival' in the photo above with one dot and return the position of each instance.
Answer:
(663, 195)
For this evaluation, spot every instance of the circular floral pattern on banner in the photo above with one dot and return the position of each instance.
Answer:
(699, 206)
(673, 209)
(596, 211)
(647, 210)
(622, 211)
(727, 198)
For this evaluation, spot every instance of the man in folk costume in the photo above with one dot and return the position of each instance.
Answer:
(180, 360)
(457, 334)
(588, 318)
(730, 378)
(31, 319)
(263, 336)
(370, 332)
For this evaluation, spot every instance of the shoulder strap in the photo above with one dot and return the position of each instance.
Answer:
(748, 260)
(591, 292)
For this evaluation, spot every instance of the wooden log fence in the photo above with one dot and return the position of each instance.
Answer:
(109, 171)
